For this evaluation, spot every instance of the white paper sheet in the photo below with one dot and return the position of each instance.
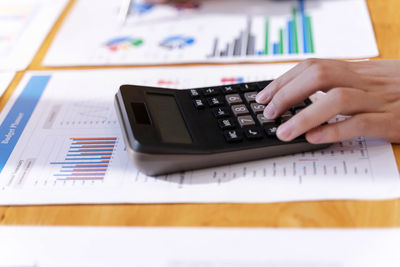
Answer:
(194, 247)
(24, 24)
(79, 104)
(5, 80)
(216, 31)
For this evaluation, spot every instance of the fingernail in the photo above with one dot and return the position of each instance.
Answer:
(270, 111)
(284, 132)
(262, 97)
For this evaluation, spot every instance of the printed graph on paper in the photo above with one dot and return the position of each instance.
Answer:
(214, 31)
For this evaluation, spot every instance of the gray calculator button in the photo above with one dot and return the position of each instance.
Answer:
(299, 105)
(246, 121)
(257, 108)
(233, 99)
(250, 97)
(240, 110)
(286, 116)
(263, 121)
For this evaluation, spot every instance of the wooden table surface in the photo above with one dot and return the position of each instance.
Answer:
(386, 22)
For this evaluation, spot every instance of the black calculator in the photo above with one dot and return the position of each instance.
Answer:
(169, 130)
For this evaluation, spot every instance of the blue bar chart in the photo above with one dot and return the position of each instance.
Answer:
(86, 159)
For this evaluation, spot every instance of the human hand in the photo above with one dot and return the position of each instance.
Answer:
(369, 91)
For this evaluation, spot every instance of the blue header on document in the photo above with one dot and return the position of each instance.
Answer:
(19, 115)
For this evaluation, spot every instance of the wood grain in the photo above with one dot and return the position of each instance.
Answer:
(386, 23)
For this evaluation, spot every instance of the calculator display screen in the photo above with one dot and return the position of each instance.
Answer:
(168, 119)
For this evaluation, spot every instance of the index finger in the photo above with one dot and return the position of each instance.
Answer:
(315, 78)
(266, 94)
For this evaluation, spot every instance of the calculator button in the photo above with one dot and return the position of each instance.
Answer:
(215, 101)
(270, 129)
(286, 116)
(229, 89)
(220, 113)
(233, 136)
(239, 110)
(247, 87)
(263, 120)
(253, 133)
(299, 105)
(257, 108)
(263, 84)
(194, 92)
(233, 99)
(210, 91)
(225, 124)
(246, 121)
(199, 104)
(250, 97)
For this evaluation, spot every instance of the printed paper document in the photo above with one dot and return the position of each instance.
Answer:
(213, 31)
(24, 24)
(194, 247)
(52, 112)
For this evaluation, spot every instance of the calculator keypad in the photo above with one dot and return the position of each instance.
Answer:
(237, 113)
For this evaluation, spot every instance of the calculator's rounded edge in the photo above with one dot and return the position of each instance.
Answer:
(124, 129)
(158, 164)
